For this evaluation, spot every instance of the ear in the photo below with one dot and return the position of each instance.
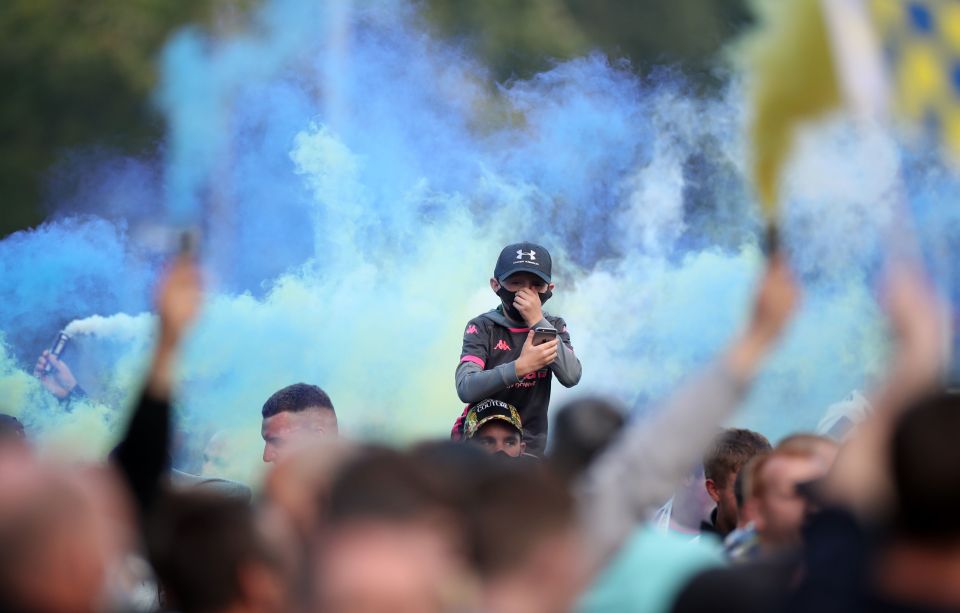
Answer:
(551, 287)
(494, 285)
(712, 490)
(523, 447)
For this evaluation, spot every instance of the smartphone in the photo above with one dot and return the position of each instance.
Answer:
(543, 335)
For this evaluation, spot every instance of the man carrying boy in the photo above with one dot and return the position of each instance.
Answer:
(499, 359)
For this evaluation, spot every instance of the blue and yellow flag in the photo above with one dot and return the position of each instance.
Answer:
(882, 58)
(920, 43)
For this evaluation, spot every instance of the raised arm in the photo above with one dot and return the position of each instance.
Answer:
(58, 379)
(142, 455)
(860, 479)
(643, 466)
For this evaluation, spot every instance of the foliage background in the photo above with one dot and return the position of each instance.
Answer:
(79, 75)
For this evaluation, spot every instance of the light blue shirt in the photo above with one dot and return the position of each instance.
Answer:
(649, 571)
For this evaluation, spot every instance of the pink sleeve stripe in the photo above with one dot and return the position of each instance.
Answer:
(474, 359)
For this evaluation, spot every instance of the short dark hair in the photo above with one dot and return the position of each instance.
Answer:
(198, 543)
(925, 462)
(583, 429)
(384, 484)
(516, 507)
(729, 451)
(295, 398)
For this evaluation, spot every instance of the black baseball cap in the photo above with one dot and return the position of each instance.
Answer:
(523, 257)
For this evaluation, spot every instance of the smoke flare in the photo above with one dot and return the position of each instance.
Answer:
(354, 191)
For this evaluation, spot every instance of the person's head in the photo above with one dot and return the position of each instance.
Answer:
(383, 483)
(456, 470)
(56, 544)
(522, 266)
(294, 417)
(582, 431)
(524, 540)
(925, 466)
(728, 453)
(392, 539)
(211, 555)
(775, 483)
(495, 426)
(823, 448)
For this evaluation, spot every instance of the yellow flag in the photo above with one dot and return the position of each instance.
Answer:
(793, 80)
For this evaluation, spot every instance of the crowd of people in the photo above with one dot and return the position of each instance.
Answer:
(667, 512)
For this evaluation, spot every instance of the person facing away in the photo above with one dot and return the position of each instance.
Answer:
(862, 555)
(499, 359)
(212, 554)
(294, 417)
(495, 427)
(730, 451)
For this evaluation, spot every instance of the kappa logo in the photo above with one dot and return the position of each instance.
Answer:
(530, 254)
(502, 345)
(471, 329)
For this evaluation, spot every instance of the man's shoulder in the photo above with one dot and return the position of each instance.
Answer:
(482, 325)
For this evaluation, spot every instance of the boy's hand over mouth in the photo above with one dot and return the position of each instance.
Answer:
(527, 302)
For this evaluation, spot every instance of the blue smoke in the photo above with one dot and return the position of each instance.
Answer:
(354, 178)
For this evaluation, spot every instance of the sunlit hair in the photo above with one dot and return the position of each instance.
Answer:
(730, 450)
(812, 444)
(798, 446)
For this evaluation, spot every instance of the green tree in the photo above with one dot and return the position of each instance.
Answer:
(519, 37)
(81, 73)
(77, 73)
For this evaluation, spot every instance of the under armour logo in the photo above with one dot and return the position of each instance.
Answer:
(471, 329)
(531, 254)
(502, 345)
